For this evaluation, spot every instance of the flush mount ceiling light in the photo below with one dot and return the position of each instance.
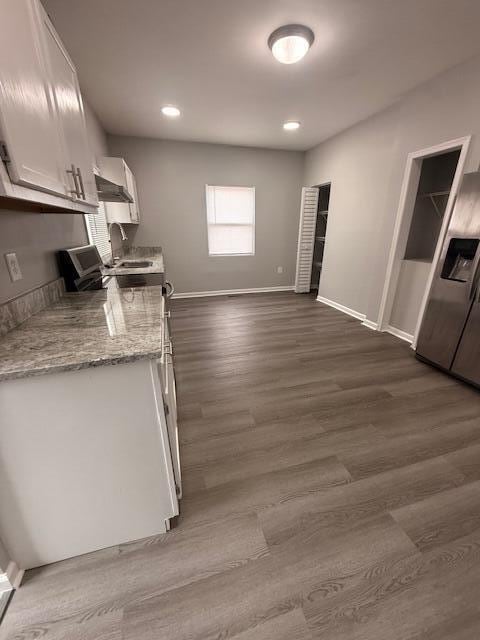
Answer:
(291, 42)
(291, 125)
(171, 112)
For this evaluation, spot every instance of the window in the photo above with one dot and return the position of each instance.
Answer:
(97, 230)
(231, 221)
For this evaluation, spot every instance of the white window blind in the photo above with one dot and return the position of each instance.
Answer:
(231, 221)
(97, 230)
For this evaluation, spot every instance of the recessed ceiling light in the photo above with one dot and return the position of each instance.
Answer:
(291, 42)
(171, 112)
(292, 125)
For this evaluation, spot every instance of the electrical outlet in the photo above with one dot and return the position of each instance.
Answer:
(13, 267)
(279, 269)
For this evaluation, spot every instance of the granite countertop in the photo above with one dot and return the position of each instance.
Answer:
(109, 326)
(152, 254)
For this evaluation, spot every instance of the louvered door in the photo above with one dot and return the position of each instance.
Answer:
(306, 239)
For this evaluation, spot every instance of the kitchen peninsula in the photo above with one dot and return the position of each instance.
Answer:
(86, 462)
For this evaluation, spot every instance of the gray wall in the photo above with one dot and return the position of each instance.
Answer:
(409, 295)
(4, 558)
(35, 237)
(366, 164)
(171, 178)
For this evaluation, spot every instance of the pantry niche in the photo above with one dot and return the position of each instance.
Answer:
(435, 183)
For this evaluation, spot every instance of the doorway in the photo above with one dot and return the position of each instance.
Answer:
(430, 185)
(320, 236)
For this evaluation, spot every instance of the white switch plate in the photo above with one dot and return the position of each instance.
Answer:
(279, 269)
(13, 267)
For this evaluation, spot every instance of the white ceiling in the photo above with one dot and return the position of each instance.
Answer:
(210, 57)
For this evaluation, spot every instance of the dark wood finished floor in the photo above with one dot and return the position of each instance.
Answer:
(332, 491)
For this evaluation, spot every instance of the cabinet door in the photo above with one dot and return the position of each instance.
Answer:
(117, 170)
(28, 124)
(117, 212)
(132, 190)
(306, 239)
(70, 117)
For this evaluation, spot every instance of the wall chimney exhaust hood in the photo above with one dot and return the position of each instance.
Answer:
(109, 191)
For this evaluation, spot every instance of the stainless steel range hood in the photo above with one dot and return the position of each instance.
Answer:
(108, 191)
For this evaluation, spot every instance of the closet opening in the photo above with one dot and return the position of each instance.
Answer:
(436, 178)
(320, 236)
(431, 181)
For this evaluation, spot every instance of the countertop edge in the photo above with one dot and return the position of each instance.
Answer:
(88, 364)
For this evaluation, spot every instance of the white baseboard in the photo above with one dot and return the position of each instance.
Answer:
(341, 307)
(398, 333)
(230, 292)
(370, 324)
(14, 574)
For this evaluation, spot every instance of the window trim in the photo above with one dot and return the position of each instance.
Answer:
(231, 224)
(90, 218)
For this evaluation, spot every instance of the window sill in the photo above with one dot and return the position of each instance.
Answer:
(230, 255)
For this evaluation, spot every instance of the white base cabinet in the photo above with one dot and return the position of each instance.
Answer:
(44, 147)
(85, 463)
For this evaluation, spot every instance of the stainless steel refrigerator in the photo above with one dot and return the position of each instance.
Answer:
(450, 333)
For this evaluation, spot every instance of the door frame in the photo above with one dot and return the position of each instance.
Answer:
(403, 221)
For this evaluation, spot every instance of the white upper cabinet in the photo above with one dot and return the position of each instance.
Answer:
(132, 190)
(28, 125)
(70, 116)
(117, 170)
(45, 154)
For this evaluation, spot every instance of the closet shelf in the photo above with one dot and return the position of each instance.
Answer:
(433, 194)
(323, 213)
(322, 238)
(436, 194)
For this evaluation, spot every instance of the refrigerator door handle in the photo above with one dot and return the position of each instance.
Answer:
(472, 290)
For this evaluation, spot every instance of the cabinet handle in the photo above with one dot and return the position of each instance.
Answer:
(80, 180)
(76, 191)
(172, 289)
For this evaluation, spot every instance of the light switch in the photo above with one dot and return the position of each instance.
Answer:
(279, 269)
(13, 267)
